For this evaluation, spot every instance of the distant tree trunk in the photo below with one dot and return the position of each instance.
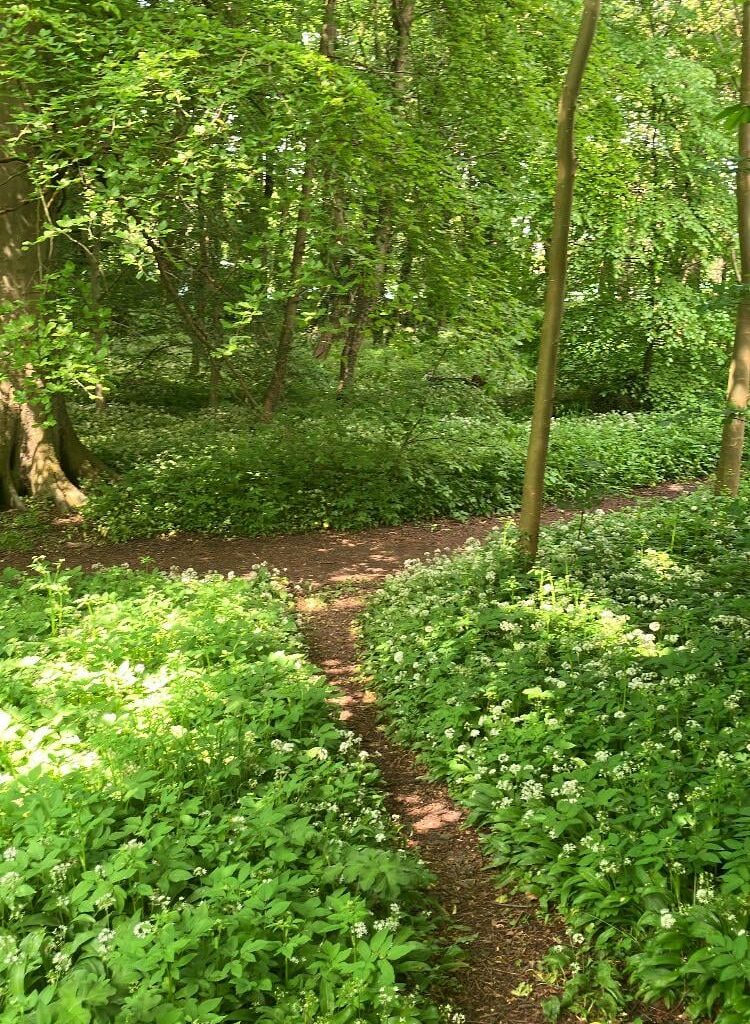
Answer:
(214, 386)
(31, 457)
(277, 383)
(557, 267)
(95, 279)
(208, 304)
(370, 288)
(729, 470)
(285, 342)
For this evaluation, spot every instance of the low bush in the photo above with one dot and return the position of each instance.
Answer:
(188, 835)
(595, 716)
(221, 473)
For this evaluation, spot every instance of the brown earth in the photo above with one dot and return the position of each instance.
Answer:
(332, 573)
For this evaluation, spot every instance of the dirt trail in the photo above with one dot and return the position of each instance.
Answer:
(499, 983)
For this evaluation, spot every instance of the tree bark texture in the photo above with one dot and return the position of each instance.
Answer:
(32, 455)
(729, 470)
(557, 267)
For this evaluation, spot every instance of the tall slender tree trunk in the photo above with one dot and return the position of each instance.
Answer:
(284, 345)
(557, 268)
(285, 342)
(95, 280)
(729, 470)
(370, 288)
(31, 453)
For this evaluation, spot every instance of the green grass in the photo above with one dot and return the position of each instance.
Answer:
(352, 467)
(595, 716)
(188, 834)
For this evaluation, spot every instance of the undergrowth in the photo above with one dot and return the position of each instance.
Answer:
(222, 473)
(594, 714)
(188, 835)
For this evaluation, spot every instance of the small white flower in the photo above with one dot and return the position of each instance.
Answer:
(104, 939)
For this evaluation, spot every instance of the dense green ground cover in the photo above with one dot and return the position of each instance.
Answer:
(595, 715)
(188, 835)
(349, 467)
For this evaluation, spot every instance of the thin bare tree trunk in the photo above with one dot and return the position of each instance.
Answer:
(95, 280)
(557, 267)
(729, 469)
(370, 288)
(285, 342)
(276, 385)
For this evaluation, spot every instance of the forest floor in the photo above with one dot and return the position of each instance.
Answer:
(332, 574)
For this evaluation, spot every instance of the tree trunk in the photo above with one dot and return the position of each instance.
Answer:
(75, 457)
(277, 383)
(38, 460)
(370, 288)
(29, 459)
(366, 298)
(95, 281)
(557, 267)
(9, 450)
(214, 387)
(729, 469)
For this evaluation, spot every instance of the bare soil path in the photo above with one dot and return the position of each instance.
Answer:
(333, 574)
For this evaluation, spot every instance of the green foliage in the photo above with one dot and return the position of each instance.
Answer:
(187, 834)
(221, 473)
(183, 129)
(22, 530)
(594, 716)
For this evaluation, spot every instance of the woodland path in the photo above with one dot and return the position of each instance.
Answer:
(332, 574)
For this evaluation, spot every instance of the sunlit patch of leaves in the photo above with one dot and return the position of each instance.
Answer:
(186, 834)
(595, 716)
